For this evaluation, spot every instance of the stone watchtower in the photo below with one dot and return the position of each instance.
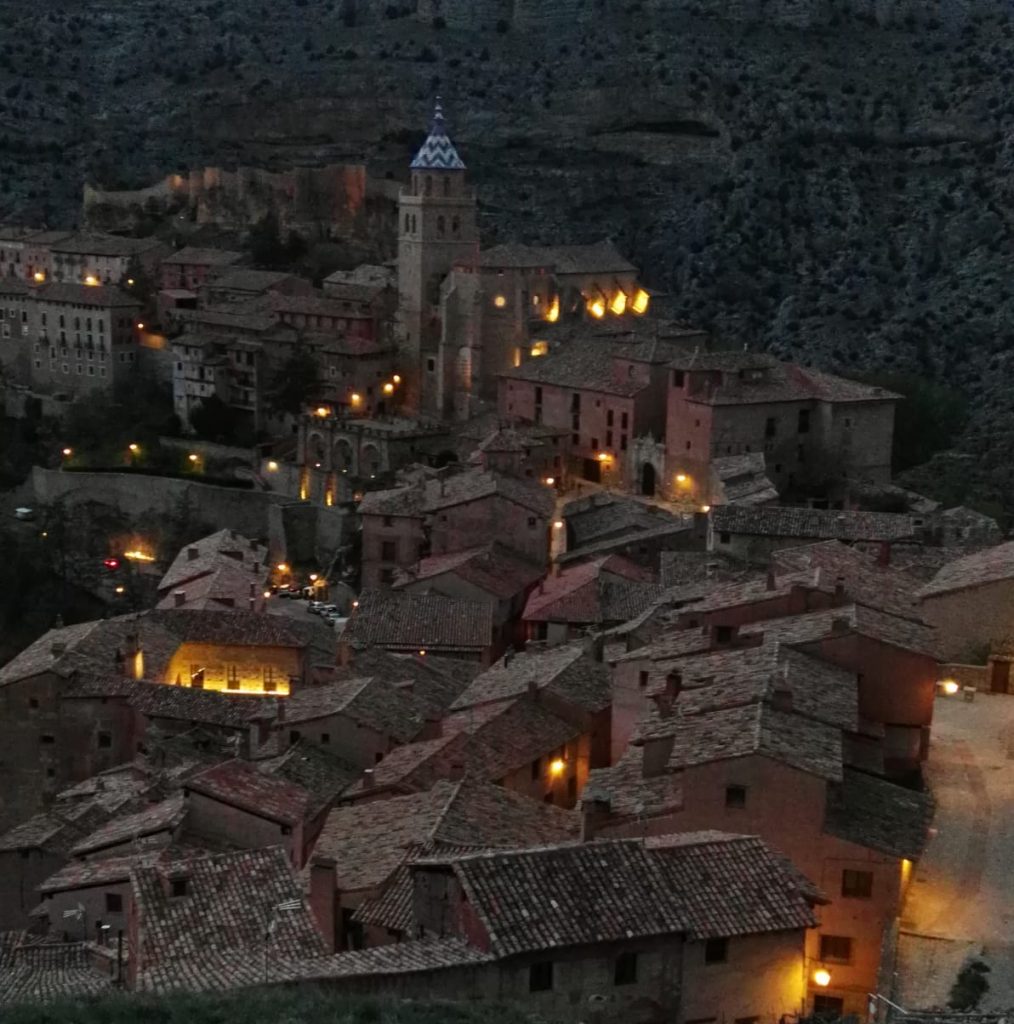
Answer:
(436, 231)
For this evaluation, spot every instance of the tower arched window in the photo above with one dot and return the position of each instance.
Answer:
(441, 227)
(407, 223)
(455, 225)
(447, 186)
(413, 223)
(429, 185)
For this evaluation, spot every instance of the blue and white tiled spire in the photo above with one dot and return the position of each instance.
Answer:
(438, 152)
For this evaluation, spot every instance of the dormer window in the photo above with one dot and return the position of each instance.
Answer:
(178, 887)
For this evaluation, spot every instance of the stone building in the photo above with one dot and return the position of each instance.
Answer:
(804, 421)
(189, 268)
(69, 340)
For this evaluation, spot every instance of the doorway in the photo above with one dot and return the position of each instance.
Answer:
(999, 676)
(648, 480)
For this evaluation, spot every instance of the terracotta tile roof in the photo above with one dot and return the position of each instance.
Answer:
(81, 874)
(981, 567)
(507, 736)
(47, 654)
(240, 784)
(323, 775)
(370, 840)
(229, 904)
(223, 588)
(477, 484)
(43, 972)
(879, 815)
(161, 817)
(812, 523)
(225, 971)
(396, 501)
(707, 568)
(753, 590)
(632, 795)
(757, 729)
(588, 367)
(619, 543)
(514, 255)
(181, 703)
(733, 885)
(246, 280)
(321, 304)
(434, 680)
(542, 899)
(883, 627)
(865, 581)
(604, 515)
(191, 255)
(369, 702)
(99, 296)
(736, 677)
(492, 568)
(604, 589)
(568, 672)
(240, 319)
(225, 547)
(742, 480)
(102, 244)
(399, 620)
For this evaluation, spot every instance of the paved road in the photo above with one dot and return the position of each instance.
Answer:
(961, 901)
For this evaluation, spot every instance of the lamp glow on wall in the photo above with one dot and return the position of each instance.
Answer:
(553, 310)
(557, 766)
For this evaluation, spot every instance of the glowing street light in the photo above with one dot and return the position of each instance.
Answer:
(313, 577)
(822, 977)
(556, 767)
(194, 457)
(558, 525)
(681, 478)
(950, 687)
(550, 480)
(282, 567)
(92, 281)
(140, 326)
(38, 277)
(322, 411)
(355, 398)
(500, 301)
(133, 448)
(604, 456)
(267, 594)
(705, 508)
(120, 590)
(388, 388)
(68, 452)
(396, 379)
(272, 466)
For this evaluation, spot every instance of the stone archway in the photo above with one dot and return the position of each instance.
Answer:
(315, 449)
(370, 461)
(343, 455)
(649, 480)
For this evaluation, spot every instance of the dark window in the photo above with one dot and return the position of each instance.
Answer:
(625, 972)
(286, 830)
(835, 949)
(531, 522)
(388, 521)
(105, 739)
(33, 702)
(623, 442)
(725, 537)
(388, 550)
(609, 439)
(828, 1007)
(677, 378)
(716, 951)
(536, 768)
(723, 634)
(623, 420)
(293, 735)
(609, 418)
(575, 403)
(575, 439)
(857, 885)
(431, 365)
(540, 976)
(114, 903)
(770, 427)
(735, 796)
(325, 737)
(538, 396)
(47, 739)
(572, 790)
(642, 679)
(179, 887)
(804, 421)
(594, 442)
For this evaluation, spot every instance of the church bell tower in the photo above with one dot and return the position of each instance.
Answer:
(436, 231)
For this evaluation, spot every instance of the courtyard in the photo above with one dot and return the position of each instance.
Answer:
(961, 901)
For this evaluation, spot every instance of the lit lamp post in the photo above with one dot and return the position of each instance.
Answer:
(134, 451)
(196, 462)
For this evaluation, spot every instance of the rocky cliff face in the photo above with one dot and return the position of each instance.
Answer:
(828, 179)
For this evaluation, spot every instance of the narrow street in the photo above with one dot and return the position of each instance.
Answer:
(961, 901)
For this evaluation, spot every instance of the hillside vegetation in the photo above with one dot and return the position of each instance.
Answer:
(838, 192)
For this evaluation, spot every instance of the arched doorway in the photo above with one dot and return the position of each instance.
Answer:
(648, 480)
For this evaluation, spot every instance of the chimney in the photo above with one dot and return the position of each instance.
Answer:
(594, 810)
(594, 647)
(193, 554)
(884, 554)
(368, 779)
(323, 897)
(179, 598)
(839, 591)
(771, 581)
(508, 656)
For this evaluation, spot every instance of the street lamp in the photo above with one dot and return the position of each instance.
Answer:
(822, 977)
(68, 452)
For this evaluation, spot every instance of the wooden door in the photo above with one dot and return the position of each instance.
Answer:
(999, 677)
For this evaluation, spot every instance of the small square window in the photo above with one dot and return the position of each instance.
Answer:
(325, 737)
(835, 949)
(536, 768)
(33, 702)
(47, 739)
(725, 537)
(105, 740)
(179, 887)
(856, 885)
(293, 735)
(531, 522)
(625, 971)
(114, 903)
(735, 796)
(642, 679)
(716, 951)
(540, 976)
